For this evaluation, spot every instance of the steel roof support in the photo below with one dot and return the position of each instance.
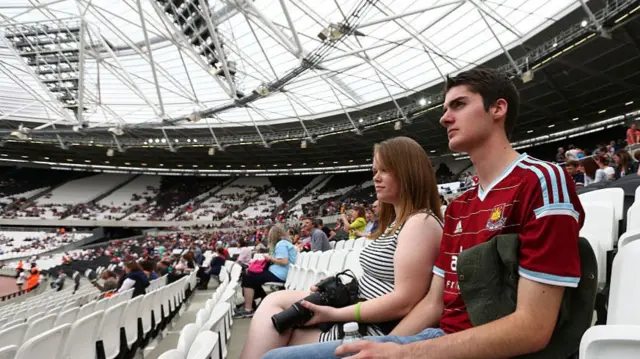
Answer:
(308, 135)
(257, 128)
(296, 38)
(249, 8)
(55, 107)
(418, 35)
(343, 108)
(151, 62)
(213, 134)
(504, 49)
(409, 13)
(18, 110)
(179, 39)
(81, 71)
(128, 80)
(204, 10)
(497, 18)
(184, 91)
(592, 18)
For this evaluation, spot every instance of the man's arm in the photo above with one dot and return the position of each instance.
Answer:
(426, 314)
(527, 330)
(316, 241)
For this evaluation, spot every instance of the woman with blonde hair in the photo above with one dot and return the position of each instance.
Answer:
(396, 265)
(282, 254)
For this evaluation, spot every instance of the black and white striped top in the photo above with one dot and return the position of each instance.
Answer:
(378, 276)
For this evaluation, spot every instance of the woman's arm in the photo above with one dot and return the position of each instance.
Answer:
(418, 246)
(126, 285)
(280, 255)
(345, 221)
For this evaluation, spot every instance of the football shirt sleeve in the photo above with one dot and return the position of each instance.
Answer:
(443, 260)
(551, 221)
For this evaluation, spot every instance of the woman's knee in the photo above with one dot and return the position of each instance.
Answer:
(283, 298)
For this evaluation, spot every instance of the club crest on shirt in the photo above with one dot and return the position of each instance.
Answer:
(496, 219)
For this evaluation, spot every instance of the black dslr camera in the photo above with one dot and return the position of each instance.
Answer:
(331, 292)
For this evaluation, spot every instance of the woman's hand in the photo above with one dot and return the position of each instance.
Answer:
(267, 257)
(321, 313)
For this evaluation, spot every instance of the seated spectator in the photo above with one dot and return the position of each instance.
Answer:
(624, 163)
(110, 282)
(590, 167)
(244, 253)
(319, 240)
(282, 254)
(573, 168)
(396, 265)
(58, 284)
(149, 269)
(134, 278)
(215, 266)
(604, 172)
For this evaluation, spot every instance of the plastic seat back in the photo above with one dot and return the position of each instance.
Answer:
(81, 341)
(13, 335)
(8, 352)
(624, 295)
(45, 345)
(68, 316)
(188, 335)
(203, 346)
(40, 326)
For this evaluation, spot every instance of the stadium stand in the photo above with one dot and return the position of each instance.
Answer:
(217, 128)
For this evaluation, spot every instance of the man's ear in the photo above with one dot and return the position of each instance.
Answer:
(499, 109)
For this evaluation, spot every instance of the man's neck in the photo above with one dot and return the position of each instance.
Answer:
(492, 159)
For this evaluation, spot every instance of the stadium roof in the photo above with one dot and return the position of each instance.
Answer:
(577, 74)
(141, 67)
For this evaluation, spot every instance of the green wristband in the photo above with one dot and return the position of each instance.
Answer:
(358, 311)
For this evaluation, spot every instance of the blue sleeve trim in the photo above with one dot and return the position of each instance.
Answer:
(549, 278)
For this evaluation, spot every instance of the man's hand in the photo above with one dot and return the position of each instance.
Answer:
(321, 313)
(369, 350)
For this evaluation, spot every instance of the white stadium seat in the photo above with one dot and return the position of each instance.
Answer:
(13, 335)
(188, 335)
(68, 316)
(45, 345)
(81, 342)
(203, 345)
(8, 352)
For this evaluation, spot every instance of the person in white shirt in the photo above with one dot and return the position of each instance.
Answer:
(244, 253)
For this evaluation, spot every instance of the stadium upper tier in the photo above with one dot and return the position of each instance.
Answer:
(95, 197)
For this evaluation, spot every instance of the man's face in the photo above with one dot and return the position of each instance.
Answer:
(308, 226)
(572, 170)
(374, 208)
(466, 121)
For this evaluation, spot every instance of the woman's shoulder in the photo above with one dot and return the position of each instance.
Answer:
(422, 221)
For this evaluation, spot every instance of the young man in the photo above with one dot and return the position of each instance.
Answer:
(515, 194)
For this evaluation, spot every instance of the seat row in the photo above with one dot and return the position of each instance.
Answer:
(113, 327)
(208, 336)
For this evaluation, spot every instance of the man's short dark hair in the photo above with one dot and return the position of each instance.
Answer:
(317, 222)
(492, 85)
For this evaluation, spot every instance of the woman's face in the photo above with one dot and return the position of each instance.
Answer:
(616, 159)
(386, 186)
